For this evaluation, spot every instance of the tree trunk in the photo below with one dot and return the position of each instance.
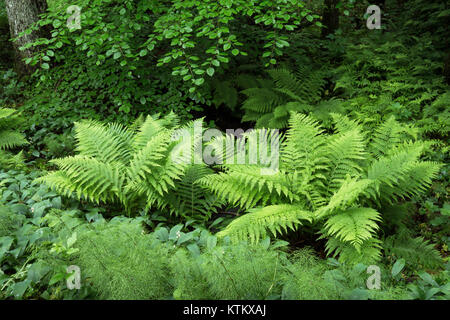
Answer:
(330, 17)
(21, 15)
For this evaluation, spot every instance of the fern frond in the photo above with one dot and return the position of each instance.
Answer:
(135, 167)
(386, 136)
(87, 178)
(349, 192)
(150, 128)
(255, 224)
(10, 139)
(302, 149)
(415, 251)
(345, 151)
(150, 170)
(344, 124)
(368, 253)
(244, 185)
(354, 225)
(190, 198)
(105, 143)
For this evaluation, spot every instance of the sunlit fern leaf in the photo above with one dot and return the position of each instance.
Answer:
(354, 225)
(256, 224)
(261, 100)
(190, 199)
(253, 189)
(343, 124)
(150, 128)
(105, 143)
(345, 152)
(330, 174)
(386, 136)
(349, 192)
(369, 252)
(303, 148)
(91, 179)
(393, 174)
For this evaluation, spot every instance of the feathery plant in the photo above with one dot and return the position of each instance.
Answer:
(339, 182)
(270, 104)
(395, 74)
(10, 137)
(144, 166)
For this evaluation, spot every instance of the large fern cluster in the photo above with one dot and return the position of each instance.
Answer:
(270, 104)
(394, 74)
(339, 182)
(143, 166)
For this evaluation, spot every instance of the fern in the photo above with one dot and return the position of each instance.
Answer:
(415, 251)
(354, 225)
(9, 136)
(395, 75)
(192, 199)
(137, 167)
(258, 221)
(270, 104)
(339, 181)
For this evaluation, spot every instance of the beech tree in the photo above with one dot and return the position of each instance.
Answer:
(21, 15)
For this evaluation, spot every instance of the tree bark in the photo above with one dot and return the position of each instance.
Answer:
(21, 15)
(330, 17)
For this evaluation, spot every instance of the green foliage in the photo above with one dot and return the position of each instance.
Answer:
(340, 182)
(10, 137)
(428, 288)
(436, 116)
(158, 53)
(137, 167)
(29, 269)
(350, 282)
(417, 252)
(394, 74)
(11, 87)
(355, 180)
(306, 279)
(272, 101)
(129, 265)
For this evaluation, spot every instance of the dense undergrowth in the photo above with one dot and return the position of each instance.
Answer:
(88, 170)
